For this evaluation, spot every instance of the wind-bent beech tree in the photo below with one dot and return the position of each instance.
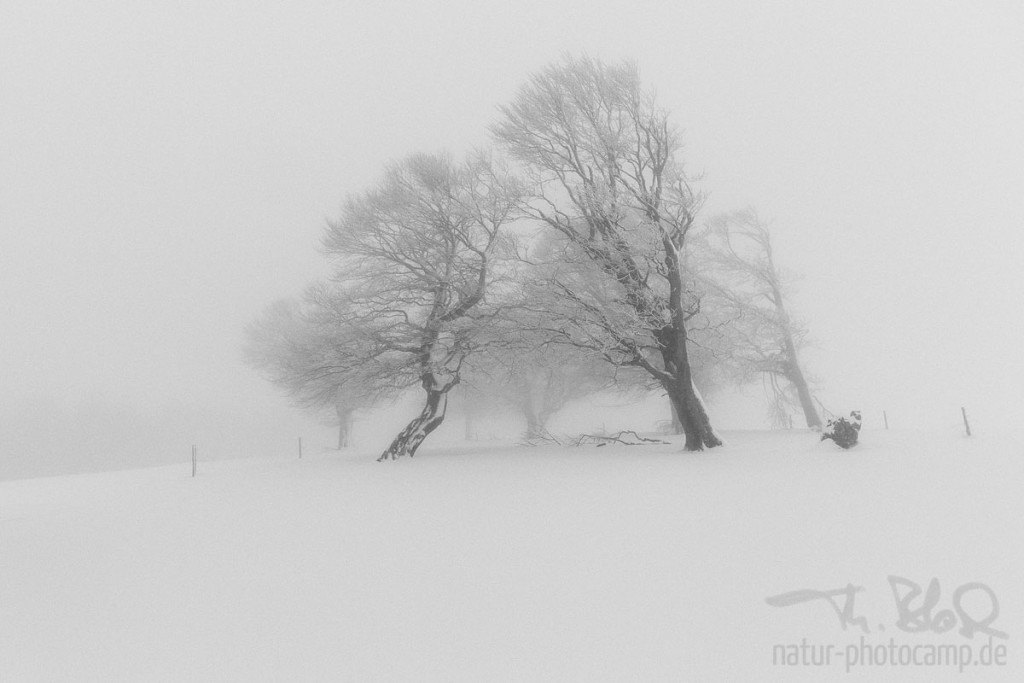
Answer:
(602, 156)
(745, 286)
(414, 260)
(414, 257)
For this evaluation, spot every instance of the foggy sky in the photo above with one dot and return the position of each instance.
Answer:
(167, 168)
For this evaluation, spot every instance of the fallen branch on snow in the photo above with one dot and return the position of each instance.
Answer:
(626, 437)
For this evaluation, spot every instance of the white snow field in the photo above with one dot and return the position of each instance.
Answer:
(503, 563)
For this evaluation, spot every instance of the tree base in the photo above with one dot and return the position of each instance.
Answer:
(410, 438)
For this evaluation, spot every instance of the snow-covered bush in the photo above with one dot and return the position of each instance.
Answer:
(844, 432)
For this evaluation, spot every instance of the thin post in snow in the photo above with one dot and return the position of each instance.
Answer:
(967, 425)
(886, 418)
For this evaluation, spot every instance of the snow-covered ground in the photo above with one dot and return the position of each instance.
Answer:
(490, 562)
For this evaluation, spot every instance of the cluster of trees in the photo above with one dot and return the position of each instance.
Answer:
(568, 261)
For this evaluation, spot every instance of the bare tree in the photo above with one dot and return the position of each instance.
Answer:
(543, 377)
(602, 156)
(746, 287)
(414, 260)
(290, 347)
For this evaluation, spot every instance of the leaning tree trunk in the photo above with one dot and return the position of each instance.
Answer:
(677, 424)
(696, 424)
(795, 375)
(806, 402)
(686, 401)
(708, 430)
(672, 339)
(416, 431)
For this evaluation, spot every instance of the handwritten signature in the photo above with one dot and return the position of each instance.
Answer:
(916, 608)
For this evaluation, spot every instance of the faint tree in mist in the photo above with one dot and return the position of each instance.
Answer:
(288, 345)
(345, 406)
(542, 378)
(746, 289)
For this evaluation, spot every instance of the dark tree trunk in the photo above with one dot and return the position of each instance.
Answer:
(416, 431)
(685, 400)
(677, 424)
(693, 416)
(707, 433)
(672, 340)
